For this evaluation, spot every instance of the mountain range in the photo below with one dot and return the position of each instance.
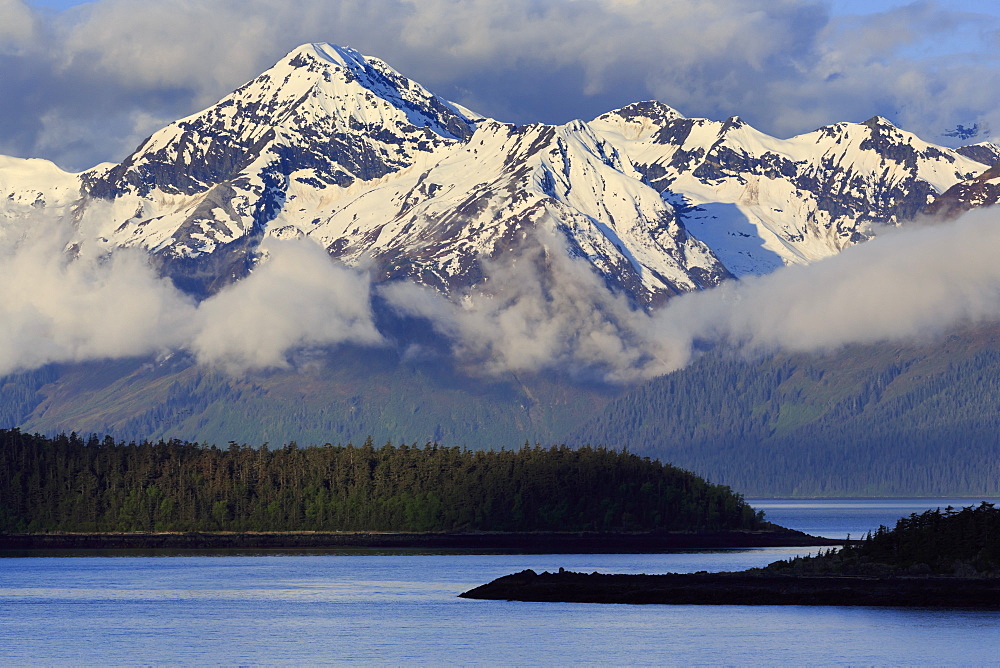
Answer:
(341, 149)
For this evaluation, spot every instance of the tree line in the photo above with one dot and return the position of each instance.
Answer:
(68, 483)
(963, 542)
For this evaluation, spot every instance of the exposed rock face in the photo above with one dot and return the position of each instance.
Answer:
(985, 152)
(981, 191)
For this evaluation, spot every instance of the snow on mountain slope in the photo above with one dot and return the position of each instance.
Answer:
(329, 137)
(485, 197)
(321, 107)
(759, 201)
(36, 183)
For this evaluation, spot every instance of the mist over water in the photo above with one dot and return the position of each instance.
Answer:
(539, 310)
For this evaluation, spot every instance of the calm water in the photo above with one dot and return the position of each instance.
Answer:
(401, 609)
(836, 518)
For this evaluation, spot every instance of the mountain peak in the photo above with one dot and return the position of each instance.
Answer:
(338, 55)
(317, 99)
(879, 122)
(422, 108)
(733, 123)
(348, 151)
(649, 111)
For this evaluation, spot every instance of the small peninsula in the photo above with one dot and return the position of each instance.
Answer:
(948, 558)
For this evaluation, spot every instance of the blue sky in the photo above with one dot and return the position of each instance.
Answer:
(875, 6)
(54, 4)
(86, 82)
(836, 6)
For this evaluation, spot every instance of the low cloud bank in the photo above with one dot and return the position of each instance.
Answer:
(539, 310)
(914, 282)
(297, 297)
(59, 307)
(555, 314)
(54, 309)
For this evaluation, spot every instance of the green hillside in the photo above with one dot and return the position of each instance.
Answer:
(879, 420)
(344, 397)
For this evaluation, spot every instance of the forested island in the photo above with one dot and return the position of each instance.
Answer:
(948, 558)
(69, 485)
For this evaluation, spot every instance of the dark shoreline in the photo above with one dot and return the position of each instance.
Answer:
(743, 589)
(529, 543)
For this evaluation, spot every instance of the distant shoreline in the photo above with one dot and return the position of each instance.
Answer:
(533, 542)
(743, 589)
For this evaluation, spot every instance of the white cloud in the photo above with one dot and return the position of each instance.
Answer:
(54, 309)
(297, 297)
(916, 282)
(539, 311)
(17, 26)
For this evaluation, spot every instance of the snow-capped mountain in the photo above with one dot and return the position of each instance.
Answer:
(210, 184)
(30, 188)
(341, 148)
